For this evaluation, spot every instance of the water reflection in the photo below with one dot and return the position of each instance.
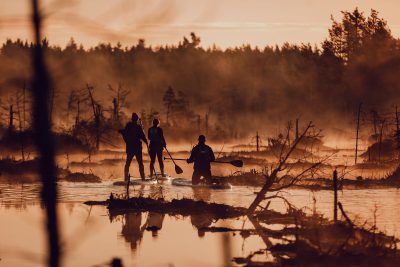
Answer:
(154, 222)
(201, 221)
(132, 229)
(231, 241)
(201, 194)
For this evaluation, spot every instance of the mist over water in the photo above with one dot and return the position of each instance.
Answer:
(254, 104)
(240, 90)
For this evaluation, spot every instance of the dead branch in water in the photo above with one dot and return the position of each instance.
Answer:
(272, 178)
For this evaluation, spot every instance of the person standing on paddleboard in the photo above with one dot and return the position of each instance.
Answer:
(133, 136)
(156, 147)
(202, 155)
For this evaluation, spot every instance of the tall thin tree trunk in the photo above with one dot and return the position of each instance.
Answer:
(335, 196)
(398, 132)
(11, 118)
(358, 130)
(78, 111)
(44, 140)
(206, 120)
(380, 140)
(257, 142)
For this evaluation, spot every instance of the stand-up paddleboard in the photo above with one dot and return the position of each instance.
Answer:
(159, 177)
(185, 182)
(155, 179)
(139, 181)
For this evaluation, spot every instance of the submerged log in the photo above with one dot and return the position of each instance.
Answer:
(182, 206)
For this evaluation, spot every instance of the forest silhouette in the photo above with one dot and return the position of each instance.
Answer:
(221, 90)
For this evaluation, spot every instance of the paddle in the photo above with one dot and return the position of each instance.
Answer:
(178, 169)
(236, 163)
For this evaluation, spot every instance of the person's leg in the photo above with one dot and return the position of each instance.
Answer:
(129, 157)
(152, 153)
(160, 161)
(195, 177)
(207, 176)
(139, 159)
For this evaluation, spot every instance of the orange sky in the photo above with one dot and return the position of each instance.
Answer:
(223, 22)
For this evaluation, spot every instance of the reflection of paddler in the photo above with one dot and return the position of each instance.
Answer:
(154, 222)
(201, 221)
(201, 194)
(131, 230)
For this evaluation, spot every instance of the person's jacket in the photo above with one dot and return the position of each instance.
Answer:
(156, 137)
(133, 134)
(202, 155)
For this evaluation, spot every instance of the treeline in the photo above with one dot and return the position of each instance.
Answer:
(230, 92)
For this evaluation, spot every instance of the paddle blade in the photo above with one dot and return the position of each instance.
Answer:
(237, 163)
(178, 169)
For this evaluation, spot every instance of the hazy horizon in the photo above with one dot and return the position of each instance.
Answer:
(225, 24)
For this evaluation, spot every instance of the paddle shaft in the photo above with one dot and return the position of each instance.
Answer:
(215, 161)
(178, 169)
(170, 157)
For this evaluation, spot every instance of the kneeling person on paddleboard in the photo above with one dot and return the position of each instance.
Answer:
(202, 155)
(157, 144)
(133, 136)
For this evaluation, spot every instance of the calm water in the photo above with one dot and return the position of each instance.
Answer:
(91, 238)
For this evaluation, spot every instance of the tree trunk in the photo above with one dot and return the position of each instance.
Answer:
(11, 118)
(335, 198)
(358, 129)
(44, 140)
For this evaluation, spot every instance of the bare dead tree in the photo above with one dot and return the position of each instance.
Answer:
(73, 99)
(273, 179)
(44, 139)
(97, 124)
(289, 127)
(380, 139)
(119, 100)
(24, 105)
(11, 118)
(78, 112)
(20, 98)
(97, 115)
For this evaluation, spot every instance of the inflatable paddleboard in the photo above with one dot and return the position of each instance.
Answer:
(185, 182)
(159, 177)
(139, 181)
(155, 179)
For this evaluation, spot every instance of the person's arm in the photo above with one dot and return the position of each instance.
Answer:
(123, 132)
(148, 133)
(162, 138)
(212, 156)
(143, 136)
(192, 156)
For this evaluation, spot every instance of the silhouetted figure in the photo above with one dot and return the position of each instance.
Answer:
(154, 222)
(202, 155)
(133, 136)
(157, 144)
(201, 221)
(132, 230)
